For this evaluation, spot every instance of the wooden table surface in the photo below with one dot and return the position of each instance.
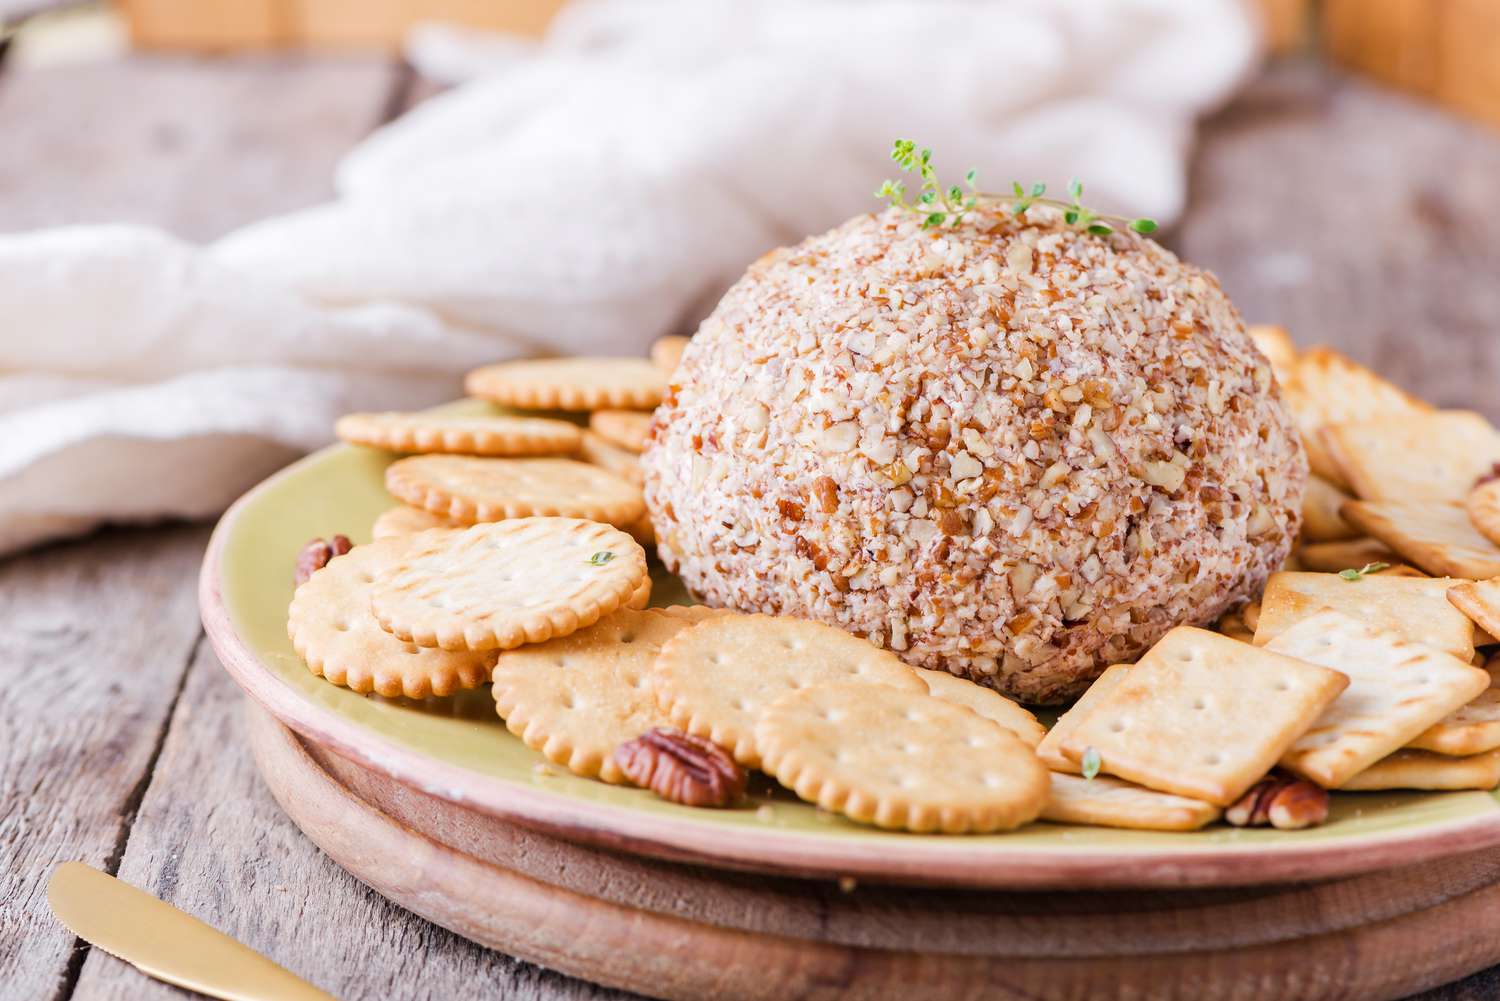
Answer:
(1353, 216)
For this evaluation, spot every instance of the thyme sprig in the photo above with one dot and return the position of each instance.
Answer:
(1368, 568)
(940, 205)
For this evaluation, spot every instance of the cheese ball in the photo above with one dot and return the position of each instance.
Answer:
(1008, 449)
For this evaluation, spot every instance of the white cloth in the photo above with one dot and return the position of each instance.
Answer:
(587, 193)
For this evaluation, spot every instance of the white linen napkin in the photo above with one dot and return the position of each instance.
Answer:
(587, 193)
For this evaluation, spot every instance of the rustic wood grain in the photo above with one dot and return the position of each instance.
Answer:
(1360, 218)
(95, 641)
(209, 838)
(195, 146)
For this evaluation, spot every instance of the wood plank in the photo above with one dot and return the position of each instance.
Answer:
(193, 145)
(1359, 218)
(209, 838)
(96, 640)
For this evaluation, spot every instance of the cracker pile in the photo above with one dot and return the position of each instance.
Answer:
(516, 558)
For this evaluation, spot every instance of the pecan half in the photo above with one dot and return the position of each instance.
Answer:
(1489, 477)
(680, 767)
(316, 554)
(1281, 800)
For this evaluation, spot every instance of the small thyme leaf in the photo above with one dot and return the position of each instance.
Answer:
(1367, 568)
(600, 558)
(938, 205)
(1091, 762)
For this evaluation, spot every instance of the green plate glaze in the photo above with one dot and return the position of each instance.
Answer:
(458, 750)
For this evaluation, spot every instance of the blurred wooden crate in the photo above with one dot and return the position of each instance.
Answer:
(233, 24)
(1448, 50)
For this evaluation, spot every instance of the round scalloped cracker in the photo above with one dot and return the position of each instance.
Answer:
(571, 384)
(641, 597)
(624, 428)
(577, 698)
(403, 519)
(666, 352)
(498, 585)
(986, 702)
(1483, 504)
(332, 629)
(623, 463)
(695, 613)
(476, 435)
(467, 489)
(900, 760)
(715, 679)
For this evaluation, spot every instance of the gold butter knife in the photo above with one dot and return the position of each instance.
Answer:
(166, 943)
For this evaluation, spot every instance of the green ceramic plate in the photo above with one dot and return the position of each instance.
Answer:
(458, 750)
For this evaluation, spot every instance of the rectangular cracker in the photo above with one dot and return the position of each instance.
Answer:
(1425, 770)
(1480, 601)
(1331, 557)
(1397, 689)
(1277, 345)
(1321, 521)
(1415, 607)
(1434, 456)
(1204, 716)
(1106, 802)
(1327, 388)
(1437, 537)
(1050, 749)
(1472, 728)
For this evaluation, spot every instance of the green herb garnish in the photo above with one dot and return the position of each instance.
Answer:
(1091, 762)
(947, 206)
(1367, 568)
(600, 558)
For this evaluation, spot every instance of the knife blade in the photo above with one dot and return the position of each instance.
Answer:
(166, 943)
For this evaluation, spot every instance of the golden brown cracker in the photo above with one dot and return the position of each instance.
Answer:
(1435, 536)
(715, 679)
(1321, 521)
(986, 702)
(576, 698)
(502, 584)
(471, 490)
(1417, 608)
(332, 630)
(1436, 456)
(1050, 749)
(571, 384)
(496, 435)
(1203, 716)
(403, 519)
(900, 759)
(1397, 689)
(1107, 802)
(1327, 388)
(623, 428)
(1425, 770)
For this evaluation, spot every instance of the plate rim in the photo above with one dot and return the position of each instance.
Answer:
(939, 861)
